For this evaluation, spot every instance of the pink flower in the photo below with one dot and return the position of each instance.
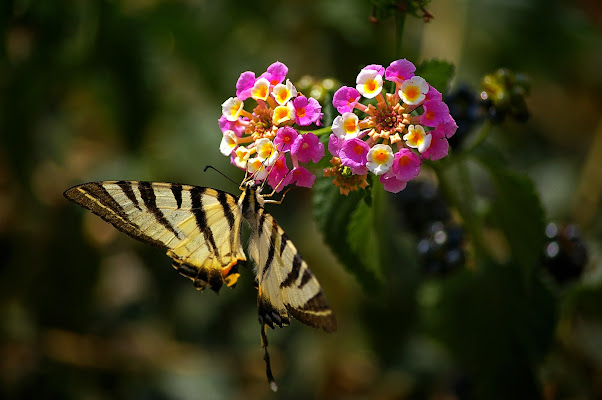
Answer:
(275, 73)
(406, 165)
(345, 99)
(245, 84)
(400, 70)
(435, 113)
(433, 94)
(302, 177)
(307, 111)
(285, 137)
(439, 145)
(449, 127)
(375, 67)
(353, 154)
(335, 144)
(391, 183)
(238, 127)
(308, 147)
(279, 175)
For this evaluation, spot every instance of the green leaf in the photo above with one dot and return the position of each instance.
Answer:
(497, 328)
(436, 72)
(363, 240)
(517, 211)
(334, 213)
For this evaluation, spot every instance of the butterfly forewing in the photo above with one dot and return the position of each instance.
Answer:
(199, 226)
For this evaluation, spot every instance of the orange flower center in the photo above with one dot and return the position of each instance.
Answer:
(350, 125)
(371, 86)
(380, 157)
(412, 92)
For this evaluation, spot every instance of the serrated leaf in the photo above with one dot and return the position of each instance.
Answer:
(517, 211)
(332, 212)
(436, 72)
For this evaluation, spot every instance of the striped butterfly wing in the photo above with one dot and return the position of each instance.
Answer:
(198, 226)
(286, 284)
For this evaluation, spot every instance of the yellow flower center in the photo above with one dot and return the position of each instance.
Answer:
(412, 92)
(280, 113)
(380, 157)
(350, 125)
(371, 85)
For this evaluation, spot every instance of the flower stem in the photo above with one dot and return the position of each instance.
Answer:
(318, 132)
(464, 201)
(379, 221)
(483, 133)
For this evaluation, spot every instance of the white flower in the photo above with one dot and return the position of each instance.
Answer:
(417, 138)
(413, 91)
(229, 143)
(369, 83)
(346, 126)
(261, 89)
(283, 93)
(232, 108)
(380, 159)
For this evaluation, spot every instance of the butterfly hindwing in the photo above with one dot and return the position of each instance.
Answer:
(198, 226)
(286, 284)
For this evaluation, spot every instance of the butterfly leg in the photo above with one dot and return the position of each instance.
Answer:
(276, 201)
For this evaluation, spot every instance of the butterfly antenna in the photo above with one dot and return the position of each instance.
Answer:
(266, 358)
(218, 171)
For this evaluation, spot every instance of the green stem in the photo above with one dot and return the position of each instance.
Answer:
(471, 219)
(464, 201)
(483, 133)
(322, 131)
(380, 223)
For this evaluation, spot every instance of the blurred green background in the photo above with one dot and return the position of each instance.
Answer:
(131, 89)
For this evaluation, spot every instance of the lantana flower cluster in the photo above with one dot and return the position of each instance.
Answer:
(262, 140)
(395, 136)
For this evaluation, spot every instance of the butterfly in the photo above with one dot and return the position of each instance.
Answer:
(200, 228)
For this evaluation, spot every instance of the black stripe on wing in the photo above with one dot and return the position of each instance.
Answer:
(196, 199)
(315, 312)
(96, 198)
(293, 275)
(176, 190)
(222, 198)
(147, 193)
(126, 186)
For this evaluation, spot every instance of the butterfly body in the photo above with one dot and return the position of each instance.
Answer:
(200, 228)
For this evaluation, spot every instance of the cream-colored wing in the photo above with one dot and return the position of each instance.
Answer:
(285, 283)
(199, 227)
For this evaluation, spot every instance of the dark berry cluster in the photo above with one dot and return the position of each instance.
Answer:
(466, 109)
(565, 255)
(504, 95)
(440, 251)
(441, 241)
